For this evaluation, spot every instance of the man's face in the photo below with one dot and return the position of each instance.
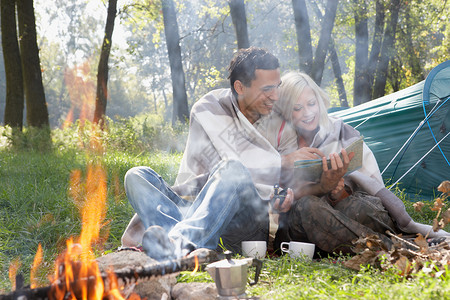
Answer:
(257, 99)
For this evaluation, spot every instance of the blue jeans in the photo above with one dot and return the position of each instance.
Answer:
(228, 206)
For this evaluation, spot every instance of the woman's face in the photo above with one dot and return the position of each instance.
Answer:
(305, 114)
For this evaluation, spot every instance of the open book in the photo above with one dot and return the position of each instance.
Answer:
(311, 170)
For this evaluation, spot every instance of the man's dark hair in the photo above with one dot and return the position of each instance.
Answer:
(246, 61)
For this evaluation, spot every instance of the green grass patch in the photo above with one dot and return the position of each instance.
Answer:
(36, 207)
(286, 278)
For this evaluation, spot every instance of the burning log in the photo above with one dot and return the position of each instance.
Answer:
(125, 277)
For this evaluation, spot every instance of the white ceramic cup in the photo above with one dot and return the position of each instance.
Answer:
(298, 249)
(255, 249)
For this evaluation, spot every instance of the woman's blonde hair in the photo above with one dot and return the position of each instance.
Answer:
(292, 85)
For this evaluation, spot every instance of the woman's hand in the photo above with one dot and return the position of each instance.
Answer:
(331, 177)
(286, 206)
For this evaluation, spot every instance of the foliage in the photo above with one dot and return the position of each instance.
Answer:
(143, 133)
(69, 37)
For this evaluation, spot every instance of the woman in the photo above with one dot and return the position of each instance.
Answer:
(338, 208)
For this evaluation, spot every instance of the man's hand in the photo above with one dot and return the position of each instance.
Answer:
(307, 153)
(331, 177)
(303, 153)
(287, 203)
(337, 191)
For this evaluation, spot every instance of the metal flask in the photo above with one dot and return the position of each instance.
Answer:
(230, 275)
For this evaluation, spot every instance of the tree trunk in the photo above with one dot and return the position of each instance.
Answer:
(303, 35)
(338, 75)
(376, 42)
(180, 105)
(13, 69)
(102, 73)
(324, 40)
(387, 51)
(413, 59)
(361, 84)
(239, 18)
(37, 114)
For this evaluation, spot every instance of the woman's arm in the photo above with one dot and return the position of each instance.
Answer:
(329, 180)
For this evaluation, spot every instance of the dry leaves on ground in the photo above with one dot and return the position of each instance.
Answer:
(408, 256)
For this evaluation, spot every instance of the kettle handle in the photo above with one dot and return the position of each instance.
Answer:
(258, 264)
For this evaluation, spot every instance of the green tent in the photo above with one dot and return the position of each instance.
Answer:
(408, 131)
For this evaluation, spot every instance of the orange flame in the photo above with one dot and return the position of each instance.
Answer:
(13, 267)
(36, 262)
(196, 264)
(77, 275)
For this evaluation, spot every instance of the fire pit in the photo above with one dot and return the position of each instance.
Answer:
(117, 284)
(77, 275)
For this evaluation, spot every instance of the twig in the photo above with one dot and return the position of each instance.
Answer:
(402, 240)
(416, 253)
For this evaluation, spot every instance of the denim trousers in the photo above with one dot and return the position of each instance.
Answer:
(227, 207)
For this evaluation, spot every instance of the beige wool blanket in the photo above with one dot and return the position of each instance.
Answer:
(338, 135)
(219, 131)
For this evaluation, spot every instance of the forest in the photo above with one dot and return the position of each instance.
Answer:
(87, 60)
(138, 66)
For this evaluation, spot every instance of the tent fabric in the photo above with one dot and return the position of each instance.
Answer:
(389, 122)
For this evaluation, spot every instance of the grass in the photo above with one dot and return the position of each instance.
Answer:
(286, 278)
(35, 207)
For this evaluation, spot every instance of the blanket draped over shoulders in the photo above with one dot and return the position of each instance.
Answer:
(219, 131)
(328, 140)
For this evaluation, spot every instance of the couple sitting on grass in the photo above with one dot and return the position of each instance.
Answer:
(244, 140)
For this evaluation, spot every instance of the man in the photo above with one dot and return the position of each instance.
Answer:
(228, 168)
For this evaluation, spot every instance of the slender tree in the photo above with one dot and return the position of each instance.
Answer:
(387, 50)
(180, 105)
(103, 70)
(338, 74)
(239, 18)
(14, 81)
(413, 59)
(376, 41)
(361, 84)
(365, 63)
(303, 31)
(37, 114)
(324, 40)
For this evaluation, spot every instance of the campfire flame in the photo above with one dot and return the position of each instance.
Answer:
(36, 262)
(13, 267)
(196, 265)
(77, 275)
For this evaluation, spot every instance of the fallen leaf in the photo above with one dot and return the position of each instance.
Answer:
(421, 241)
(404, 265)
(418, 206)
(446, 217)
(438, 204)
(436, 226)
(444, 187)
(367, 257)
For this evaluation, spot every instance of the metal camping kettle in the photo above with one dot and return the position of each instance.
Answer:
(230, 275)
